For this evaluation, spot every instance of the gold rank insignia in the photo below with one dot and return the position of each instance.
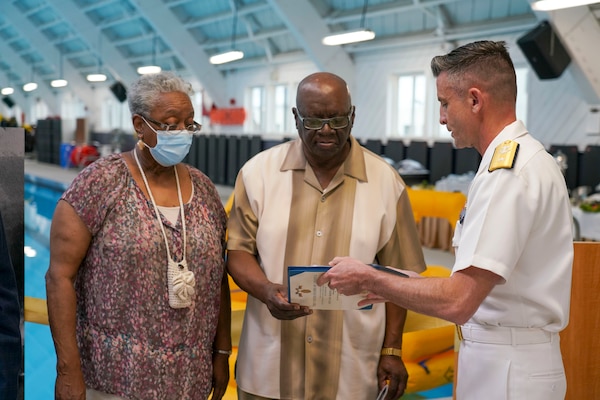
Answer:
(504, 155)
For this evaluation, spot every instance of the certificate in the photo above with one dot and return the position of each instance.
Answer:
(303, 289)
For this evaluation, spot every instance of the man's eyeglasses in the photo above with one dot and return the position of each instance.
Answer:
(194, 127)
(319, 123)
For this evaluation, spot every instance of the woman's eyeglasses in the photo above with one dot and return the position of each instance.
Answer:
(194, 127)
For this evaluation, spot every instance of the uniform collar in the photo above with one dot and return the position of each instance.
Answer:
(512, 131)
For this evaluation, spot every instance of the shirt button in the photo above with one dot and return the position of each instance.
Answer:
(322, 199)
(319, 233)
(309, 339)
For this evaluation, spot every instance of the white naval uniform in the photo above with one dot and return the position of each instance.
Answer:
(517, 224)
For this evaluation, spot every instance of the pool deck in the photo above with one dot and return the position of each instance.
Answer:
(66, 175)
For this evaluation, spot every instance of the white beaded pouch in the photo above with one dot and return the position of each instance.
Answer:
(181, 284)
(180, 280)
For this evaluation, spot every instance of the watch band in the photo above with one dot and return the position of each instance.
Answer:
(391, 351)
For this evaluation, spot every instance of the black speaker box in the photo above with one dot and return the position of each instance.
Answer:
(544, 51)
(8, 101)
(119, 91)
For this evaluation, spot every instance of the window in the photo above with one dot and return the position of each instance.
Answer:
(522, 93)
(282, 109)
(256, 120)
(116, 115)
(410, 110)
(198, 103)
(39, 110)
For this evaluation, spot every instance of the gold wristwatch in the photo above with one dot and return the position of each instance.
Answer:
(391, 351)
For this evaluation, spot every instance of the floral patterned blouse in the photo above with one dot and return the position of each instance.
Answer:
(132, 343)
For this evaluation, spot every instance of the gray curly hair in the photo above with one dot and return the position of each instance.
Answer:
(142, 94)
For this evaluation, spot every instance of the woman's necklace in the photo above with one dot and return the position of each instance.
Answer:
(180, 280)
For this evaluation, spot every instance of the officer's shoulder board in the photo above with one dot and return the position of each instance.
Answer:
(504, 156)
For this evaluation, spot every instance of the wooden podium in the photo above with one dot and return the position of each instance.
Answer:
(580, 341)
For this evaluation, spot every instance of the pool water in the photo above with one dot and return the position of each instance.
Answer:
(40, 198)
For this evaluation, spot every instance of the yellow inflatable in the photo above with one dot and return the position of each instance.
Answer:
(431, 372)
(428, 346)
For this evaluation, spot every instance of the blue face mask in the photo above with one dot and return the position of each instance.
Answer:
(171, 146)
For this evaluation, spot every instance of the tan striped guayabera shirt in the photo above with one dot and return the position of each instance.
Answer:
(282, 214)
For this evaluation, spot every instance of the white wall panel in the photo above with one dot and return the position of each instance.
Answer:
(557, 111)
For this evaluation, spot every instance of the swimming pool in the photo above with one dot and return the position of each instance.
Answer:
(40, 197)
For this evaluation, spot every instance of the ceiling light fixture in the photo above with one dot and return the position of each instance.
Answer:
(360, 35)
(226, 57)
(61, 82)
(31, 85)
(151, 69)
(99, 76)
(233, 54)
(58, 83)
(550, 5)
(6, 90)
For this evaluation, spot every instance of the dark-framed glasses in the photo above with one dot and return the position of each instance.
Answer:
(194, 127)
(319, 123)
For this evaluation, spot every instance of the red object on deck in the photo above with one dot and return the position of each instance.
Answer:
(84, 155)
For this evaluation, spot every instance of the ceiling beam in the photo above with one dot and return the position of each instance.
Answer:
(90, 33)
(77, 84)
(458, 33)
(295, 15)
(42, 92)
(226, 15)
(186, 48)
(385, 9)
(579, 30)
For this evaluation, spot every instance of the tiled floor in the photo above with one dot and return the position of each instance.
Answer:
(40, 359)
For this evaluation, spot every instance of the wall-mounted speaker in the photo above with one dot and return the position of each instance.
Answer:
(119, 91)
(8, 101)
(544, 51)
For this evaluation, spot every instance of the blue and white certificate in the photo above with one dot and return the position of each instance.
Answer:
(303, 289)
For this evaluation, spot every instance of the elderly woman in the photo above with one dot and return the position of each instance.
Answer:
(138, 299)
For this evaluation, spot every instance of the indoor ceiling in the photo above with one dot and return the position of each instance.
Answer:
(43, 39)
